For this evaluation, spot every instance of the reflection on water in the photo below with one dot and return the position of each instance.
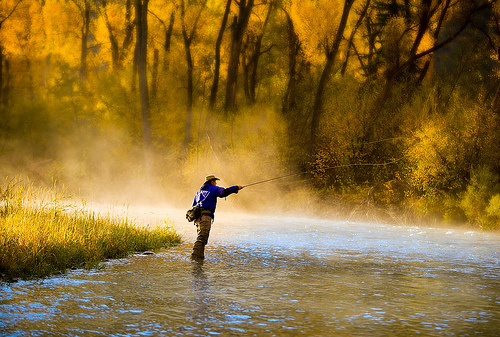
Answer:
(278, 277)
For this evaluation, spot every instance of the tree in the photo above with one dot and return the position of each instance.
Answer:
(84, 9)
(169, 29)
(331, 55)
(491, 30)
(119, 52)
(238, 27)
(251, 52)
(215, 82)
(5, 13)
(289, 98)
(350, 41)
(188, 39)
(415, 50)
(141, 49)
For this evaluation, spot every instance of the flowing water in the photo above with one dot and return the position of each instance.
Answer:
(276, 276)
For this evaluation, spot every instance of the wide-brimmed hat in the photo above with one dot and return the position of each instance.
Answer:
(211, 177)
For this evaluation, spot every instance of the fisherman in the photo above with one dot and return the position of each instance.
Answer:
(206, 199)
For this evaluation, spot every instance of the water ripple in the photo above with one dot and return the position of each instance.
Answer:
(270, 277)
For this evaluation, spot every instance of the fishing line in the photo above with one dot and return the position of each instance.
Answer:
(323, 169)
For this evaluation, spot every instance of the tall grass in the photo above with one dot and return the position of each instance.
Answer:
(39, 236)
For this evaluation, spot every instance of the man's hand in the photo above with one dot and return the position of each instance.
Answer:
(240, 187)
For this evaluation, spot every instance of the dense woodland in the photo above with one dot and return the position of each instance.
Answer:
(360, 92)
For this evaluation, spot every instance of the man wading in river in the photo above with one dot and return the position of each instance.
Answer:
(206, 199)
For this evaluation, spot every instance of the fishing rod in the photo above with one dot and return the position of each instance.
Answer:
(323, 169)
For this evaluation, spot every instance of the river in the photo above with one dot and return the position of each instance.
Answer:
(275, 276)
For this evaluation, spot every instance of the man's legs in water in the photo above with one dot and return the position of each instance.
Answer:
(203, 226)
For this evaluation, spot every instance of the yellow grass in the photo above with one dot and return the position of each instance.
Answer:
(39, 237)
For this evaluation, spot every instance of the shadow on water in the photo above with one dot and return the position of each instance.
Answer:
(297, 277)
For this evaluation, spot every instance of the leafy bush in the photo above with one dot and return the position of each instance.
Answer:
(481, 200)
(493, 211)
(442, 155)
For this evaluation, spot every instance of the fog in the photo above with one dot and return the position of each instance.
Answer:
(106, 164)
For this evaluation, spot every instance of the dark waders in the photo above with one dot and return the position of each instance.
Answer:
(203, 226)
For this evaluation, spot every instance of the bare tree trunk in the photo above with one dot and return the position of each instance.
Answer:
(6, 86)
(1, 74)
(31, 84)
(129, 30)
(85, 36)
(238, 28)
(133, 86)
(189, 116)
(188, 39)
(392, 75)
(289, 102)
(253, 63)
(115, 49)
(154, 75)
(246, 66)
(141, 12)
(117, 54)
(218, 43)
(350, 43)
(168, 37)
(325, 77)
(168, 40)
(436, 33)
(423, 26)
(4, 79)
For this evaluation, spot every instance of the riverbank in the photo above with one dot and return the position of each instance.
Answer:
(40, 235)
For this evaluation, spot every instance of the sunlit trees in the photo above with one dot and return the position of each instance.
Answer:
(239, 23)
(293, 48)
(84, 9)
(189, 30)
(480, 201)
(252, 51)
(328, 31)
(7, 9)
(353, 81)
(217, 57)
(141, 54)
(120, 27)
(414, 34)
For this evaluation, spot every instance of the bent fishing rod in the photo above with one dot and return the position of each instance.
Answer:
(322, 169)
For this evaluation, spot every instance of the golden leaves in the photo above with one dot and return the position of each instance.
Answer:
(316, 23)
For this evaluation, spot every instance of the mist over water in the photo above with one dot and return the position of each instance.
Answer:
(272, 276)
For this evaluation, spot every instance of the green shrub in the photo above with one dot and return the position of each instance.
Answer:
(480, 202)
(493, 211)
(442, 155)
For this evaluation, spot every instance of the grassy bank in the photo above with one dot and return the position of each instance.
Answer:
(39, 236)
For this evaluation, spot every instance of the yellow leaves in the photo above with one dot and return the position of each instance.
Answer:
(397, 42)
(62, 28)
(446, 147)
(158, 22)
(19, 30)
(426, 43)
(257, 19)
(316, 23)
(426, 153)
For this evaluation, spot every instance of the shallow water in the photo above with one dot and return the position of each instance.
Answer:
(267, 276)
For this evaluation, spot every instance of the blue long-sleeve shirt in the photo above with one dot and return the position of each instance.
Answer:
(206, 197)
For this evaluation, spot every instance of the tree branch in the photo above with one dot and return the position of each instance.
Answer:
(10, 14)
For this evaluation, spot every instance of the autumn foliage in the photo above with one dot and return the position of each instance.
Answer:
(360, 91)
